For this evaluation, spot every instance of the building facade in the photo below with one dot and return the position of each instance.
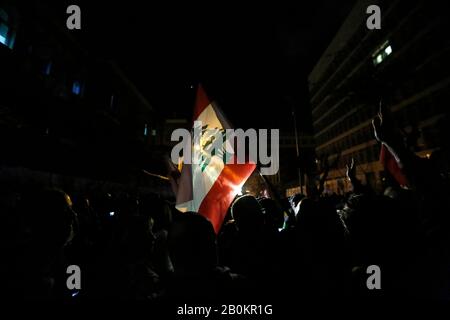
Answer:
(405, 64)
(65, 111)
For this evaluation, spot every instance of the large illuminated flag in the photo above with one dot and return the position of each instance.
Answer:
(209, 185)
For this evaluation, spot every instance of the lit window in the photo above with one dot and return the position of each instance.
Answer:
(153, 132)
(388, 50)
(381, 53)
(76, 88)
(6, 33)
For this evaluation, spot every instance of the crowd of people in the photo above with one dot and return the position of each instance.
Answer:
(136, 247)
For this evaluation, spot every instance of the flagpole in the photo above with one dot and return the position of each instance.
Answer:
(297, 148)
(272, 189)
(155, 175)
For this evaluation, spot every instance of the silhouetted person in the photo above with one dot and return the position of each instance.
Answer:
(273, 215)
(250, 249)
(48, 227)
(319, 251)
(193, 252)
(159, 211)
(126, 271)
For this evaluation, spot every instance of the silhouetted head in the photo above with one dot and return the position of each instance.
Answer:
(306, 212)
(273, 214)
(247, 214)
(158, 209)
(356, 212)
(50, 218)
(192, 244)
(138, 237)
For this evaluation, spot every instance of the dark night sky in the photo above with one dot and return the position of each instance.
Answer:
(248, 57)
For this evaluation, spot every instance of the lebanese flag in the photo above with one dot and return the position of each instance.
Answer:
(392, 164)
(210, 186)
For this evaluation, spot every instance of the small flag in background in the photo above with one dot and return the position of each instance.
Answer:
(210, 186)
(393, 165)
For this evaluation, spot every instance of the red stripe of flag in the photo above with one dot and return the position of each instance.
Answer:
(201, 102)
(389, 162)
(216, 203)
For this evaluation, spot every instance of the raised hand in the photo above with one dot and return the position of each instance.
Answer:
(377, 128)
(383, 126)
(377, 123)
(351, 170)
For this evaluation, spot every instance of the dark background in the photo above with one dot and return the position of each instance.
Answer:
(249, 57)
